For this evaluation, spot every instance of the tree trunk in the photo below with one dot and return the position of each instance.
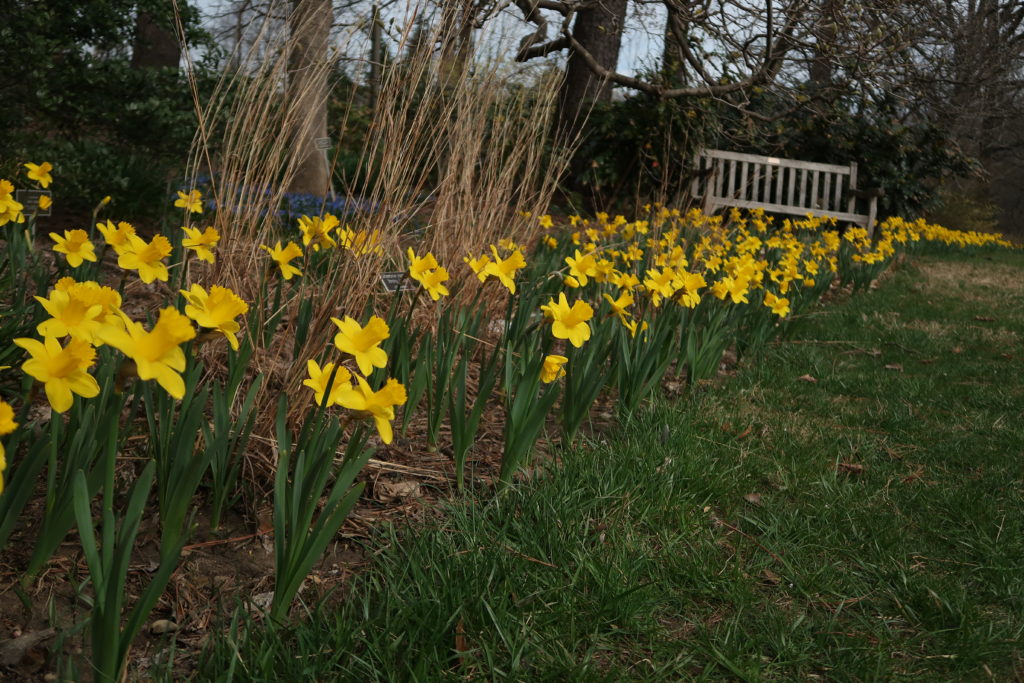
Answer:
(310, 25)
(598, 29)
(673, 64)
(155, 46)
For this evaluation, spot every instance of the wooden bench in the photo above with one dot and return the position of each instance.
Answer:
(729, 179)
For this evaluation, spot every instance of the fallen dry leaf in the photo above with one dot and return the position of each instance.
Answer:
(807, 378)
(1007, 356)
(956, 349)
(391, 491)
(851, 468)
(928, 361)
(984, 318)
(753, 498)
(770, 577)
(894, 366)
(746, 432)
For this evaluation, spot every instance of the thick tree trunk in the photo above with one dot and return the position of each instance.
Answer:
(155, 46)
(310, 25)
(673, 64)
(598, 29)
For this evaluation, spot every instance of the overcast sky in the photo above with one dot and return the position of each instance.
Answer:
(641, 46)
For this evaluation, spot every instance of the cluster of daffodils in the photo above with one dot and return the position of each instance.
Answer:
(684, 258)
(332, 384)
(502, 268)
(322, 235)
(85, 315)
(13, 211)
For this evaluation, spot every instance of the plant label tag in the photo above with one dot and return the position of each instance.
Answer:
(322, 143)
(397, 281)
(30, 200)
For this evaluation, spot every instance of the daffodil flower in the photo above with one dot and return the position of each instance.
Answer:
(620, 304)
(582, 267)
(75, 246)
(216, 310)
(479, 265)
(117, 237)
(201, 242)
(283, 258)
(193, 201)
(61, 369)
(317, 231)
(380, 404)
(569, 322)
(40, 173)
(420, 266)
(146, 257)
(10, 210)
(505, 268)
(552, 368)
(70, 316)
(7, 425)
(320, 377)
(363, 342)
(157, 354)
(432, 283)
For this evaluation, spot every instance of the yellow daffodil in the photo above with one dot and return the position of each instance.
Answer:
(70, 316)
(40, 173)
(157, 354)
(360, 242)
(319, 379)
(363, 342)
(661, 284)
(432, 282)
(582, 267)
(380, 404)
(10, 210)
(620, 305)
(550, 242)
(778, 304)
(631, 325)
(553, 369)
(318, 231)
(75, 246)
(420, 266)
(505, 269)
(569, 322)
(193, 201)
(284, 257)
(146, 257)
(201, 242)
(62, 370)
(89, 294)
(216, 311)
(479, 265)
(45, 202)
(690, 291)
(117, 237)
(7, 425)
(546, 222)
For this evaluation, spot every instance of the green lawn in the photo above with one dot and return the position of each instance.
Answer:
(865, 525)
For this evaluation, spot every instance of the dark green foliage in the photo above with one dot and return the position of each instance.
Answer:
(72, 97)
(904, 158)
(640, 149)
